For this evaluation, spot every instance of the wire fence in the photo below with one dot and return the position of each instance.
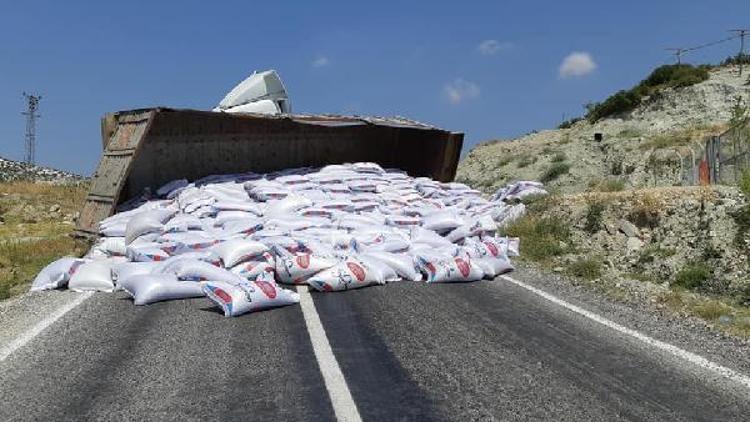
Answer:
(728, 154)
(721, 159)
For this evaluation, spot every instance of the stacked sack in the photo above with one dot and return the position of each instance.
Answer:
(236, 238)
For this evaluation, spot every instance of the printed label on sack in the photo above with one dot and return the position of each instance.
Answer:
(222, 296)
(303, 261)
(430, 268)
(266, 288)
(169, 249)
(463, 266)
(74, 267)
(358, 271)
(492, 248)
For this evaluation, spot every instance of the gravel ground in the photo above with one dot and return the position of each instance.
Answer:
(689, 333)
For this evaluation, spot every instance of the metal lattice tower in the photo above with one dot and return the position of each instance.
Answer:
(31, 115)
(741, 34)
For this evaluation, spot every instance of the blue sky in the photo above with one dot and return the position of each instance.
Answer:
(490, 69)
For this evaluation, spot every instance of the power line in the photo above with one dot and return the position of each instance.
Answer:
(32, 105)
(679, 52)
(711, 44)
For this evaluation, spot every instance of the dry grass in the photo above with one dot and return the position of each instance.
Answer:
(21, 261)
(682, 137)
(542, 237)
(68, 196)
(28, 244)
(646, 211)
(709, 309)
(607, 185)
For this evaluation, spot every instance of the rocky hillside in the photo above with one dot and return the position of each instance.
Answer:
(640, 148)
(15, 170)
(622, 217)
(656, 233)
(682, 250)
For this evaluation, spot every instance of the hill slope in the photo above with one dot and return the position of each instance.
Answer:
(631, 143)
(616, 221)
(11, 170)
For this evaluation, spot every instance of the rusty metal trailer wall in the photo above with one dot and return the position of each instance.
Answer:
(163, 145)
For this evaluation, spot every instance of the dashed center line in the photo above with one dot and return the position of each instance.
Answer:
(341, 398)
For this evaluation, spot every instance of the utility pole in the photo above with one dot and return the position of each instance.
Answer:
(32, 105)
(741, 55)
(678, 52)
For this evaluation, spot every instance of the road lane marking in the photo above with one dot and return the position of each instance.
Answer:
(666, 347)
(34, 331)
(341, 398)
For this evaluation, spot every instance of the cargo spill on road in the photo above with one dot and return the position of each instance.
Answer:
(237, 239)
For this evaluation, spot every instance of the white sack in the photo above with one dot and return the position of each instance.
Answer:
(346, 275)
(147, 253)
(56, 274)
(288, 205)
(111, 246)
(234, 251)
(403, 264)
(146, 222)
(292, 269)
(150, 288)
(121, 272)
(169, 187)
(429, 237)
(248, 296)
(92, 276)
(440, 268)
(194, 270)
(441, 221)
(252, 269)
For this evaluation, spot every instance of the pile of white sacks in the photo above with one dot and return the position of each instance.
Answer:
(236, 238)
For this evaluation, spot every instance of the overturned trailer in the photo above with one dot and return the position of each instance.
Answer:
(149, 147)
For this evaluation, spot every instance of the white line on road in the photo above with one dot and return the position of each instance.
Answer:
(341, 398)
(669, 348)
(34, 331)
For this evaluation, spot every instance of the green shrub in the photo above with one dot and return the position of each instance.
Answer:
(586, 268)
(554, 171)
(505, 160)
(646, 212)
(710, 252)
(607, 185)
(559, 157)
(526, 160)
(693, 276)
(547, 150)
(621, 102)
(653, 251)
(569, 123)
(742, 220)
(541, 236)
(711, 310)
(745, 183)
(736, 59)
(616, 168)
(594, 217)
(743, 294)
(630, 133)
(668, 76)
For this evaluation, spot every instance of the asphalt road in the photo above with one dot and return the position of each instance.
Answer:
(408, 351)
